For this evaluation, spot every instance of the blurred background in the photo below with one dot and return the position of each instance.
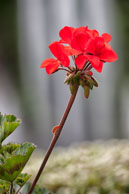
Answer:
(27, 27)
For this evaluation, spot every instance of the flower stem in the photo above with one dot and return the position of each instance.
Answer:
(55, 138)
(11, 188)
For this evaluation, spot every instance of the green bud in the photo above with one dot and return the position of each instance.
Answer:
(81, 83)
(78, 73)
(71, 87)
(94, 82)
(91, 80)
(86, 91)
(90, 85)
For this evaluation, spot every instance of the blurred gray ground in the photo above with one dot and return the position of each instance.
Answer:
(40, 99)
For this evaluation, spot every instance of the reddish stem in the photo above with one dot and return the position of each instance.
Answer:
(11, 188)
(55, 138)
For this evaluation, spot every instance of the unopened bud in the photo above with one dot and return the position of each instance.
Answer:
(94, 82)
(71, 87)
(86, 91)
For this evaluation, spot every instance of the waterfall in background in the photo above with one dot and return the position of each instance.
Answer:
(45, 96)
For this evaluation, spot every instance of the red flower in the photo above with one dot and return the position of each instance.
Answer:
(77, 38)
(81, 41)
(86, 46)
(107, 37)
(59, 52)
(97, 52)
(66, 34)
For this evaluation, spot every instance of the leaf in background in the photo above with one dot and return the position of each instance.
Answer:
(13, 165)
(37, 189)
(8, 123)
(22, 179)
(4, 186)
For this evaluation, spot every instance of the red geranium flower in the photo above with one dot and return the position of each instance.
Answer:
(79, 40)
(97, 53)
(88, 50)
(86, 46)
(59, 52)
(68, 33)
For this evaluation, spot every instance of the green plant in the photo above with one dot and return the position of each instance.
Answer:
(88, 50)
(13, 158)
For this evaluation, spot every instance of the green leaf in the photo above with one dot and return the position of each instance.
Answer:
(1, 159)
(4, 186)
(8, 123)
(12, 165)
(10, 147)
(37, 189)
(22, 179)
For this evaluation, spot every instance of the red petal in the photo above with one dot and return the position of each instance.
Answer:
(107, 37)
(99, 43)
(108, 55)
(49, 61)
(95, 62)
(80, 61)
(70, 51)
(57, 49)
(80, 41)
(81, 29)
(50, 64)
(62, 41)
(100, 67)
(93, 33)
(64, 60)
(108, 46)
(91, 47)
(59, 52)
(66, 34)
(52, 68)
(95, 46)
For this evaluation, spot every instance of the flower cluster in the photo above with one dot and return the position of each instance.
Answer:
(88, 50)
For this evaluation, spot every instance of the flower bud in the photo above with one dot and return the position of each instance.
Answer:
(71, 87)
(86, 91)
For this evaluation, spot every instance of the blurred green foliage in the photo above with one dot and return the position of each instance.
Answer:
(9, 39)
(123, 24)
